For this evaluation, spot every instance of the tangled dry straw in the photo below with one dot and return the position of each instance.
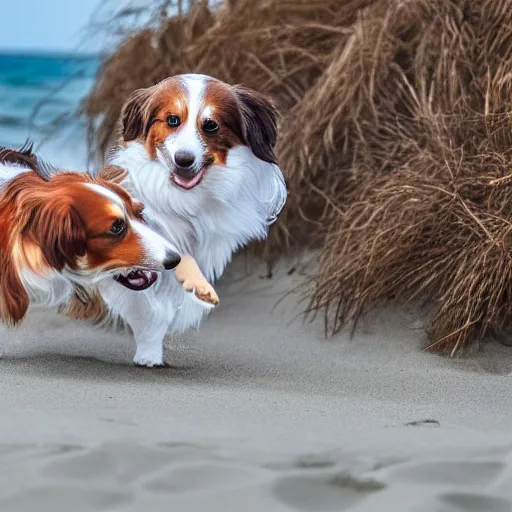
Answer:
(396, 141)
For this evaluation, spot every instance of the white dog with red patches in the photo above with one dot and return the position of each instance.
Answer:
(200, 154)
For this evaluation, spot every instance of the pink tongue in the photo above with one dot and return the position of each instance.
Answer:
(185, 183)
(137, 282)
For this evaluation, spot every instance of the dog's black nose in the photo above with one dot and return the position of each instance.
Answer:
(184, 158)
(171, 260)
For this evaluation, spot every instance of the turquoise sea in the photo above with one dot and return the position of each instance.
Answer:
(39, 95)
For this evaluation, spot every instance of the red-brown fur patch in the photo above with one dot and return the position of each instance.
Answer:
(14, 300)
(169, 99)
(145, 112)
(52, 224)
(223, 106)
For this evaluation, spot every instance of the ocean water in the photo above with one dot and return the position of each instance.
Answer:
(39, 96)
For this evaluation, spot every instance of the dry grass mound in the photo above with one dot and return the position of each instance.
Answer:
(439, 228)
(395, 140)
(428, 210)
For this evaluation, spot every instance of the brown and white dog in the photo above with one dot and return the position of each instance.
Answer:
(200, 154)
(67, 231)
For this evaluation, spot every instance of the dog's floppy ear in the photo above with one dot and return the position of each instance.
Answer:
(136, 115)
(57, 229)
(14, 300)
(259, 122)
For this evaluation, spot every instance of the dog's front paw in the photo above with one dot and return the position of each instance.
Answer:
(148, 357)
(203, 290)
(193, 281)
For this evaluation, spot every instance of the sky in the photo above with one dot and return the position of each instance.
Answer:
(45, 25)
(60, 25)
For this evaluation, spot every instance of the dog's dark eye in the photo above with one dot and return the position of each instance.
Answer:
(118, 227)
(210, 126)
(173, 121)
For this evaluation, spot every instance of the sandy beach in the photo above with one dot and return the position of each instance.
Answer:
(258, 412)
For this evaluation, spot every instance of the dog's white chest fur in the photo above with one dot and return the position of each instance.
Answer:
(234, 204)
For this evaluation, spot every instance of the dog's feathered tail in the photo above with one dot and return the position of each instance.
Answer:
(26, 157)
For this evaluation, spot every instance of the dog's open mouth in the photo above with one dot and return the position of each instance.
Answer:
(137, 280)
(188, 183)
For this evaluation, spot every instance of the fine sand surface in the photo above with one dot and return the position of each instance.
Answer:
(257, 413)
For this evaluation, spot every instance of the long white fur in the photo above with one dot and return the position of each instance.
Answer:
(234, 204)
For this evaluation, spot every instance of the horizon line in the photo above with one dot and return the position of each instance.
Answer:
(50, 52)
